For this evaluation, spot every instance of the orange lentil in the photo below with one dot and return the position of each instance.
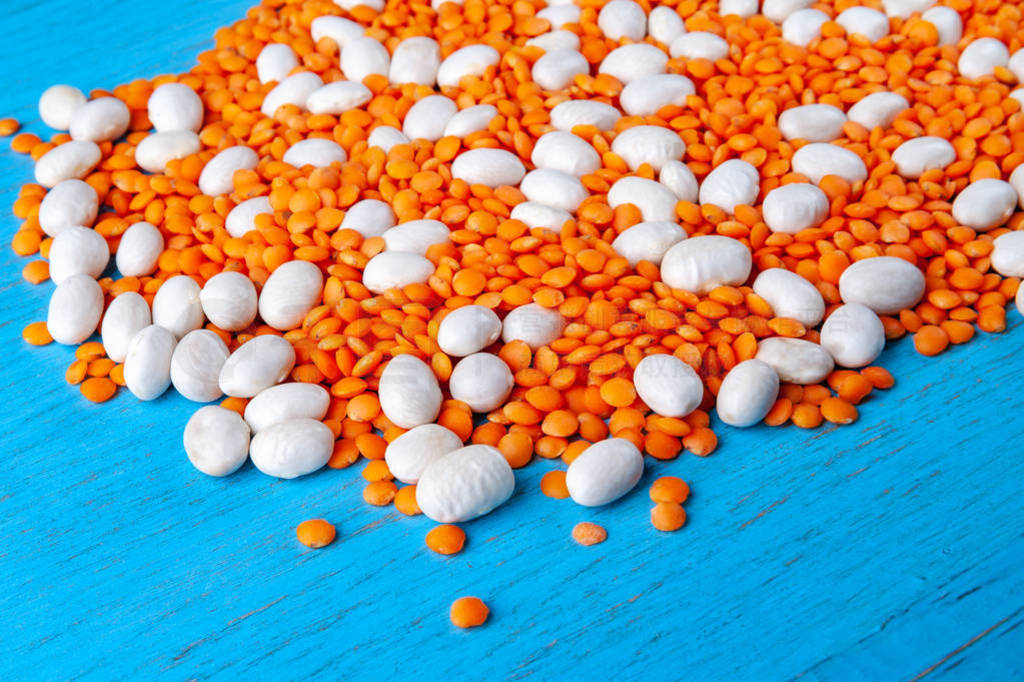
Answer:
(668, 516)
(9, 126)
(930, 340)
(405, 501)
(553, 485)
(380, 493)
(468, 612)
(98, 389)
(36, 334)
(315, 533)
(586, 533)
(838, 411)
(446, 539)
(618, 392)
(669, 489)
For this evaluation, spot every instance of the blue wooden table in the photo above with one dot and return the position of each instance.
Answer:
(884, 550)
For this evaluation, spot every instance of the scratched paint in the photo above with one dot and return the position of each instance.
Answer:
(884, 550)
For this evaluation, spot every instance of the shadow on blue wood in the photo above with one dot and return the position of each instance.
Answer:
(884, 550)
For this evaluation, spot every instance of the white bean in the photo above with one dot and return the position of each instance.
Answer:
(795, 360)
(981, 57)
(664, 24)
(538, 215)
(648, 241)
(369, 217)
(604, 472)
(1008, 254)
(559, 150)
(700, 264)
(415, 60)
(470, 120)
(280, 403)
(412, 452)
(778, 10)
(342, 31)
(877, 109)
(818, 159)
(790, 295)
(741, 8)
(584, 112)
(920, 154)
(481, 380)
(984, 204)
(216, 440)
(1016, 64)
(732, 183)
(242, 218)
(275, 62)
(905, 8)
(794, 207)
(747, 393)
(294, 89)
(78, 251)
(678, 177)
(139, 250)
(555, 40)
(229, 301)
(853, 335)
(559, 15)
(468, 330)
(652, 145)
(555, 70)
(147, 365)
(315, 151)
(67, 161)
(386, 137)
(491, 167)
(554, 188)
(622, 19)
(699, 45)
(75, 309)
(175, 106)
(629, 62)
(364, 56)
(864, 21)
(427, 118)
(196, 364)
(292, 448)
(216, 177)
(645, 96)
(125, 317)
(291, 291)
(885, 284)
(375, 5)
(812, 122)
(1019, 300)
(338, 97)
(464, 484)
(803, 26)
(655, 201)
(408, 391)
(69, 203)
(1017, 180)
(533, 323)
(58, 103)
(155, 151)
(416, 236)
(256, 365)
(100, 120)
(668, 385)
(947, 22)
(468, 61)
(176, 306)
(394, 270)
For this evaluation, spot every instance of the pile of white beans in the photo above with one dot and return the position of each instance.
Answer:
(166, 344)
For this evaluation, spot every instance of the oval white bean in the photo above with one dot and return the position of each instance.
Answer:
(818, 159)
(100, 120)
(981, 57)
(470, 120)
(426, 120)
(291, 291)
(794, 207)
(67, 161)
(416, 236)
(139, 250)
(147, 365)
(175, 106)
(795, 360)
(583, 112)
(648, 241)
(790, 295)
(984, 204)
(155, 151)
(555, 40)
(778, 10)
(342, 31)
(467, 61)
(394, 270)
(58, 103)
(75, 309)
(877, 109)
(747, 393)
(364, 56)
(316, 152)
(629, 62)
(412, 452)
(369, 217)
(556, 69)
(468, 330)
(481, 380)
(126, 316)
(176, 306)
(280, 403)
(655, 201)
(554, 188)
(812, 122)
(864, 21)
(678, 177)
(731, 184)
(275, 62)
(1008, 254)
(803, 26)
(535, 214)
(196, 364)
(464, 484)
(645, 96)
(338, 97)
(741, 8)
(947, 22)
(562, 151)
(668, 385)
(885, 284)
(1019, 300)
(559, 15)
(294, 89)
(242, 218)
(415, 60)
(700, 264)
(78, 251)
(699, 45)
(69, 203)
(914, 157)
(216, 440)
(256, 365)
(622, 19)
(664, 24)
(292, 448)
(386, 137)
(653, 145)
(491, 167)
(905, 8)
(216, 177)
(853, 335)
(604, 472)
(533, 323)
(409, 393)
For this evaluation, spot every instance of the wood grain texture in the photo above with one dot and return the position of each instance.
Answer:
(885, 550)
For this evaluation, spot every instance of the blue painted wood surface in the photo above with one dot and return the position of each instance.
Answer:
(884, 550)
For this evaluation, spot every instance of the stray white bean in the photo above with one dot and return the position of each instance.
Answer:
(292, 448)
(315, 151)
(555, 70)
(69, 203)
(481, 380)
(678, 177)
(467, 61)
(126, 316)
(369, 217)
(139, 250)
(533, 323)
(216, 440)
(415, 60)
(648, 241)
(242, 218)
(342, 31)
(427, 118)
(655, 201)
(795, 360)
(555, 40)
(790, 295)
(276, 61)
(71, 160)
(867, 22)
(280, 403)
(294, 89)
(470, 120)
(914, 157)
(699, 45)
(584, 112)
(538, 215)
(741, 8)
(216, 177)
(196, 364)
(412, 452)
(176, 306)
(700, 264)
(554, 188)
(853, 335)
(394, 270)
(604, 472)
(984, 204)
(468, 330)
(629, 62)
(155, 151)
(491, 167)
(981, 57)
(818, 159)
(794, 207)
(75, 309)
(100, 120)
(778, 10)
(668, 385)
(747, 393)
(885, 284)
(175, 106)
(256, 365)
(803, 26)
(645, 96)
(559, 15)
(416, 236)
(730, 184)
(408, 391)
(364, 56)
(877, 109)
(905, 8)
(664, 24)
(58, 103)
(78, 251)
(1008, 254)
(386, 137)
(947, 22)
(622, 19)
(290, 292)
(464, 484)
(147, 365)
(652, 145)
(338, 97)
(559, 150)
(812, 122)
